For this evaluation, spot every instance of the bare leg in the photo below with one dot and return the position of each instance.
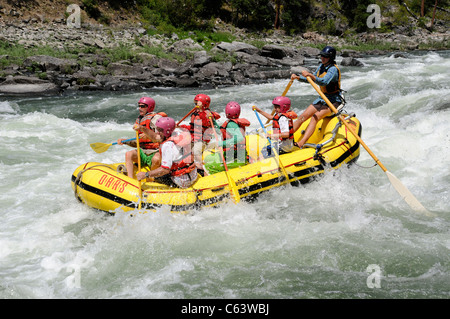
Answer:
(312, 125)
(310, 110)
(130, 158)
(197, 149)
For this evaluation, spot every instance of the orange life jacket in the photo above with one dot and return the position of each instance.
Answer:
(185, 164)
(276, 124)
(147, 143)
(200, 120)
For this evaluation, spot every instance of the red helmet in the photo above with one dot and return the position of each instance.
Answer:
(205, 99)
(149, 102)
(283, 102)
(233, 110)
(167, 124)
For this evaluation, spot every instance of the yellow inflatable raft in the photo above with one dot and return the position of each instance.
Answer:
(104, 187)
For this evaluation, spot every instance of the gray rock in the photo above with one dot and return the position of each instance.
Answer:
(237, 46)
(184, 45)
(351, 62)
(309, 52)
(277, 51)
(22, 85)
(243, 57)
(47, 63)
(120, 69)
(200, 59)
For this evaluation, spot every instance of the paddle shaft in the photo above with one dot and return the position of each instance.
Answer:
(124, 141)
(331, 106)
(273, 149)
(139, 167)
(283, 94)
(190, 112)
(407, 196)
(234, 191)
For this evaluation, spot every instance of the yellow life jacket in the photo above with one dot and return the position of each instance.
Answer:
(332, 87)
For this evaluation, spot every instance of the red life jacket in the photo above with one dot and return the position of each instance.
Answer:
(147, 143)
(200, 120)
(242, 123)
(276, 124)
(185, 164)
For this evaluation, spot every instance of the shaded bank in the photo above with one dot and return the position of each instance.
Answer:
(55, 58)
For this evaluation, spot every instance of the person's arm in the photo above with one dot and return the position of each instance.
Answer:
(332, 75)
(155, 137)
(130, 143)
(166, 163)
(160, 171)
(304, 74)
(265, 114)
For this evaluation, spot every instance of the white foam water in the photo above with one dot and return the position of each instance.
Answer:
(346, 235)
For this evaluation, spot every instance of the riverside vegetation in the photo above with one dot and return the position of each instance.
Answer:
(39, 54)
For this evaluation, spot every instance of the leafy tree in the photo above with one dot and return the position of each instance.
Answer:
(356, 13)
(255, 14)
(295, 15)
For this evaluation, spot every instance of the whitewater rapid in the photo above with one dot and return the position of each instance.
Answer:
(320, 240)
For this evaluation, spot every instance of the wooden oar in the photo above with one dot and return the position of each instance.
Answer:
(277, 157)
(401, 189)
(103, 147)
(139, 168)
(233, 188)
(283, 94)
(190, 112)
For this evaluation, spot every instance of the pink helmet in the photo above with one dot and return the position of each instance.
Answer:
(205, 99)
(283, 102)
(149, 102)
(167, 124)
(233, 110)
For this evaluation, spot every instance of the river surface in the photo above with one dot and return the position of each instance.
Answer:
(347, 235)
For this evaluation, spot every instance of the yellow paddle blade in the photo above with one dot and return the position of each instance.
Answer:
(100, 147)
(233, 188)
(407, 195)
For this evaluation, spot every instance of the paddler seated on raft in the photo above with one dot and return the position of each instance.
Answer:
(200, 129)
(148, 146)
(328, 77)
(177, 163)
(233, 141)
(282, 124)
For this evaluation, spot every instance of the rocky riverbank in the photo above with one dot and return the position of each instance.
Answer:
(174, 62)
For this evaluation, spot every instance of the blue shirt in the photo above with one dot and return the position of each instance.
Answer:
(332, 75)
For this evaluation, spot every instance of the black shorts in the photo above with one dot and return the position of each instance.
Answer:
(321, 105)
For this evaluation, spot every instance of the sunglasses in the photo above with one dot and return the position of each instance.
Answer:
(142, 105)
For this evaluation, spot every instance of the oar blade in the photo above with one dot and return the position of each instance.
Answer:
(100, 147)
(407, 195)
(234, 191)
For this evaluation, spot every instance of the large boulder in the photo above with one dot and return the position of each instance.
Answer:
(277, 51)
(46, 63)
(351, 62)
(237, 46)
(23, 85)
